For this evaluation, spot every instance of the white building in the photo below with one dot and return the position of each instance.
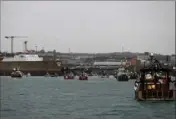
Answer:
(142, 58)
(108, 63)
(23, 57)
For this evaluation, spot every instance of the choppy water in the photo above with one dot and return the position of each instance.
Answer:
(55, 98)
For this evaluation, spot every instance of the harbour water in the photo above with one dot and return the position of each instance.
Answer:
(55, 98)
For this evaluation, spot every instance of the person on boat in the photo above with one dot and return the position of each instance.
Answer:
(135, 88)
(148, 76)
(161, 77)
(82, 74)
(155, 79)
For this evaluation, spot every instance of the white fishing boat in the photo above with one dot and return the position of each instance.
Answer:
(122, 75)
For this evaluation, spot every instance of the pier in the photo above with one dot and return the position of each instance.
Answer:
(35, 68)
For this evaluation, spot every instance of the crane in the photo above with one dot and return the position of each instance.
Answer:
(25, 45)
(12, 38)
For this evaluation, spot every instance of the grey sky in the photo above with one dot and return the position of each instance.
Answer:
(90, 26)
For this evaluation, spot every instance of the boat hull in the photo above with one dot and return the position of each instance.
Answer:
(122, 78)
(68, 77)
(53, 75)
(83, 78)
(16, 74)
(133, 77)
(170, 97)
(155, 92)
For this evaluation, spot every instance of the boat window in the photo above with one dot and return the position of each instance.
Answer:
(161, 74)
(151, 86)
(148, 75)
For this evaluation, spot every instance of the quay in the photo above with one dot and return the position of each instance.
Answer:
(35, 68)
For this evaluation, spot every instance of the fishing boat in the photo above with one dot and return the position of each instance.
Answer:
(54, 75)
(133, 75)
(47, 74)
(103, 75)
(69, 76)
(83, 76)
(121, 75)
(17, 73)
(155, 83)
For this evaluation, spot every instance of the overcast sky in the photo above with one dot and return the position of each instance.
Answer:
(90, 26)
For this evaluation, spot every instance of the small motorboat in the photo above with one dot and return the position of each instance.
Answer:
(47, 74)
(133, 75)
(155, 84)
(69, 76)
(17, 73)
(54, 75)
(28, 74)
(83, 76)
(103, 74)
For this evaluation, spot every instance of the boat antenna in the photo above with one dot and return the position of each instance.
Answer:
(154, 62)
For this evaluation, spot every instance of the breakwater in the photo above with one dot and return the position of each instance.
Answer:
(35, 68)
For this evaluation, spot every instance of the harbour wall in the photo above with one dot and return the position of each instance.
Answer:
(35, 68)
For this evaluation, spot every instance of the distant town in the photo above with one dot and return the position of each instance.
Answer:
(73, 59)
(41, 60)
(89, 59)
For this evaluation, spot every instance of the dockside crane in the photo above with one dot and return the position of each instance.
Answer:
(12, 38)
(25, 45)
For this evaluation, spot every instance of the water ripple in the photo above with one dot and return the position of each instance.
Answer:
(54, 98)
